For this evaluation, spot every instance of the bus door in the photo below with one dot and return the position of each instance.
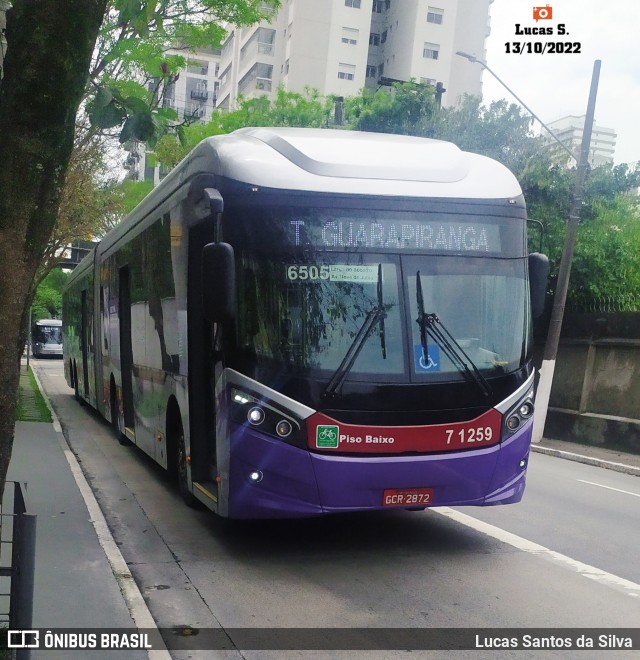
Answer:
(126, 349)
(202, 358)
(84, 341)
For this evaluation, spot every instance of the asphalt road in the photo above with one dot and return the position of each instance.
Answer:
(585, 512)
(566, 557)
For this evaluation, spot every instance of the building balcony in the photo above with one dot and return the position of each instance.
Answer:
(264, 84)
(199, 94)
(194, 111)
(266, 49)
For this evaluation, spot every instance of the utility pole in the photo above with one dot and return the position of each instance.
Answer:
(553, 336)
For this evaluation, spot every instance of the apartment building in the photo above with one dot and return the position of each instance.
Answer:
(569, 131)
(193, 96)
(340, 46)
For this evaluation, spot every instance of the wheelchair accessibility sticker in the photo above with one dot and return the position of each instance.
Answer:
(429, 363)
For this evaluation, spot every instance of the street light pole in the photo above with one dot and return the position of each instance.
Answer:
(483, 64)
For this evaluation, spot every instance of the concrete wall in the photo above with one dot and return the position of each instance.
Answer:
(595, 397)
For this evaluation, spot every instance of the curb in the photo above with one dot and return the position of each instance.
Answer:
(130, 591)
(588, 460)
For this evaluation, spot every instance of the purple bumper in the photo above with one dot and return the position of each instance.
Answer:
(297, 483)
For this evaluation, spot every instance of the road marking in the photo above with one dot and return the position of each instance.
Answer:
(618, 490)
(591, 572)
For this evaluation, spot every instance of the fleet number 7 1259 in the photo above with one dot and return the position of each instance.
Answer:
(469, 435)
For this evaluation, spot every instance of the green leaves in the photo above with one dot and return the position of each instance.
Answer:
(138, 127)
(606, 263)
(135, 44)
(109, 108)
(405, 109)
(136, 14)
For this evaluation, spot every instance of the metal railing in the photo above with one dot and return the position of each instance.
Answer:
(17, 562)
(623, 302)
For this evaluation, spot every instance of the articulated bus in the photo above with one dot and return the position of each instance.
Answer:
(297, 322)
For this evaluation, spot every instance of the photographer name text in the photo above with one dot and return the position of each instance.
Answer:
(609, 641)
(539, 47)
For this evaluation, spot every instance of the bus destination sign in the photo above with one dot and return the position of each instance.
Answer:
(441, 236)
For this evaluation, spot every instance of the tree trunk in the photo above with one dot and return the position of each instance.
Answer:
(45, 71)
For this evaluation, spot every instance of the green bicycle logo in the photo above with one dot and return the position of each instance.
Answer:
(327, 436)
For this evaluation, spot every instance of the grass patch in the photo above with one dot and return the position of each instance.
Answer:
(31, 404)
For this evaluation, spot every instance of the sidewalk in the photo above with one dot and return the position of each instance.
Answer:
(75, 584)
(598, 456)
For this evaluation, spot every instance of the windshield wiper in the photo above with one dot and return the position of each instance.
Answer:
(430, 323)
(383, 341)
(422, 319)
(375, 315)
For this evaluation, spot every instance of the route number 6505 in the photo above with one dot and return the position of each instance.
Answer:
(307, 273)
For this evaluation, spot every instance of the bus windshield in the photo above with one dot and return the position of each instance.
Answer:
(307, 289)
(47, 334)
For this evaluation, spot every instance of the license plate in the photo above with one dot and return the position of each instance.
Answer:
(407, 497)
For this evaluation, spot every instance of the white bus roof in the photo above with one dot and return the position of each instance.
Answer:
(349, 162)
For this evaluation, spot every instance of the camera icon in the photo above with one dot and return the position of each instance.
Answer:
(543, 13)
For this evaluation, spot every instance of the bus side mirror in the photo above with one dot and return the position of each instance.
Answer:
(538, 274)
(216, 204)
(218, 282)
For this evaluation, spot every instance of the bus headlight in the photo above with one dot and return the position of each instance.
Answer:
(284, 428)
(267, 417)
(255, 416)
(513, 422)
(526, 409)
(518, 415)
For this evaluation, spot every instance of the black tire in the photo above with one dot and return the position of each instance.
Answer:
(181, 470)
(76, 389)
(115, 425)
(114, 409)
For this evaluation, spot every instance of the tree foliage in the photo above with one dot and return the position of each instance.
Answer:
(87, 207)
(405, 109)
(47, 303)
(142, 46)
(606, 264)
(500, 130)
(548, 189)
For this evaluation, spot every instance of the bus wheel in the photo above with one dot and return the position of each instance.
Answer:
(76, 389)
(181, 466)
(115, 424)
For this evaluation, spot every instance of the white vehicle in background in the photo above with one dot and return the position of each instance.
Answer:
(46, 338)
